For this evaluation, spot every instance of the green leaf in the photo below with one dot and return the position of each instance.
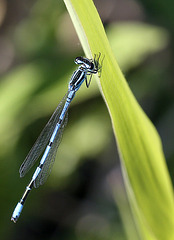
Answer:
(146, 177)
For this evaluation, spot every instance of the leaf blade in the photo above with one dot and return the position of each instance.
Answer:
(147, 181)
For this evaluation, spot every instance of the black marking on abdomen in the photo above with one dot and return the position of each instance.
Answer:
(60, 121)
(41, 165)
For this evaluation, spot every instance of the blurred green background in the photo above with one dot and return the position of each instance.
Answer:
(84, 197)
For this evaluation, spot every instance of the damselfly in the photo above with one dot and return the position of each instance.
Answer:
(50, 137)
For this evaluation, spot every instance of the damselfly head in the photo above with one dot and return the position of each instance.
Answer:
(85, 62)
(90, 65)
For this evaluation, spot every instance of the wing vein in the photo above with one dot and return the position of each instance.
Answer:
(42, 140)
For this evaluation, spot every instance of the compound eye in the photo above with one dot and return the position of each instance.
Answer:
(79, 60)
(85, 62)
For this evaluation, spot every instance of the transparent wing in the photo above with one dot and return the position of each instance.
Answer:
(42, 140)
(49, 161)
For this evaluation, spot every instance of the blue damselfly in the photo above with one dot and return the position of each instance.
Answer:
(50, 137)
